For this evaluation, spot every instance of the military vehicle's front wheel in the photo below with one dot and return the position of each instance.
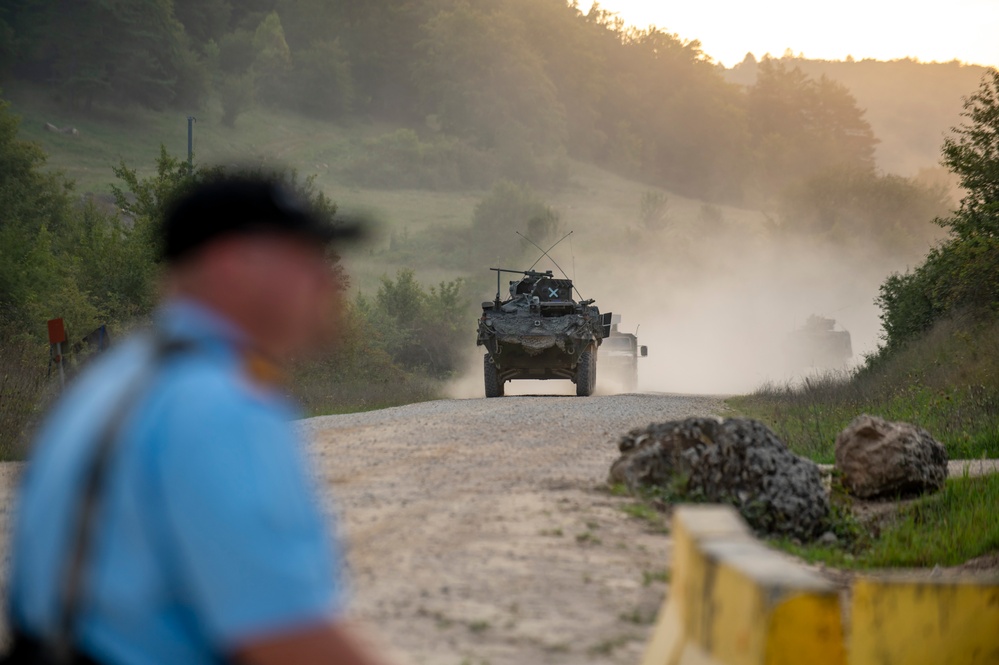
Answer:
(586, 373)
(494, 387)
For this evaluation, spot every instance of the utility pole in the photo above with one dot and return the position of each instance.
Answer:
(190, 143)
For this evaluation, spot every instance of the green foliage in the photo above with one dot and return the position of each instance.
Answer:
(203, 20)
(961, 274)
(482, 81)
(973, 155)
(37, 273)
(321, 81)
(943, 529)
(485, 84)
(272, 64)
(420, 329)
(133, 51)
(357, 375)
(236, 52)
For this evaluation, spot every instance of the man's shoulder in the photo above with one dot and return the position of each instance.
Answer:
(196, 381)
(203, 400)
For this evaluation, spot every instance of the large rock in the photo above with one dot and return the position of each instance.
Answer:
(735, 461)
(878, 458)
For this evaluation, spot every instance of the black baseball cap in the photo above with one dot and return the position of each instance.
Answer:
(245, 204)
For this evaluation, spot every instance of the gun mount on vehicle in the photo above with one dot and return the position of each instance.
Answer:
(540, 332)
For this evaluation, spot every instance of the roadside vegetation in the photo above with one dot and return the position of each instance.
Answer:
(938, 367)
(92, 265)
(944, 529)
(945, 381)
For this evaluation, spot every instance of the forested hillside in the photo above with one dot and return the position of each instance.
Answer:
(910, 105)
(491, 89)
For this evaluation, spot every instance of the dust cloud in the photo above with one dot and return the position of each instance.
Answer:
(716, 308)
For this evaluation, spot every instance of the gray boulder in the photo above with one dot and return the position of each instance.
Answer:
(878, 458)
(735, 461)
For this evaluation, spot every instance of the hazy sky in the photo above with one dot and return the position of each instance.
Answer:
(883, 29)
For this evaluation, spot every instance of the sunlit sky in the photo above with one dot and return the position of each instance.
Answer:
(930, 30)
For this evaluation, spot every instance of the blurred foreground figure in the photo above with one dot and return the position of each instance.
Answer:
(167, 515)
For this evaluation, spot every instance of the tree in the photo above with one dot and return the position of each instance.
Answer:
(972, 153)
(485, 83)
(33, 229)
(800, 126)
(961, 274)
(120, 51)
(321, 83)
(421, 329)
(272, 64)
(203, 20)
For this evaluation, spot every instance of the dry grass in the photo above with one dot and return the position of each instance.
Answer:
(24, 384)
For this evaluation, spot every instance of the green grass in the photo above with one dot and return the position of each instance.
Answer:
(947, 382)
(946, 529)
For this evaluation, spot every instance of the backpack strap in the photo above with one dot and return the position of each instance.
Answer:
(94, 485)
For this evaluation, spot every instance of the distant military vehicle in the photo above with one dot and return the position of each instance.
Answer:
(619, 356)
(540, 332)
(818, 345)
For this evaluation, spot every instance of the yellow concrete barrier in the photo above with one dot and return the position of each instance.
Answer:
(924, 622)
(733, 601)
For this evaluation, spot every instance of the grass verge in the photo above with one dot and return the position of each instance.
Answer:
(947, 382)
(943, 529)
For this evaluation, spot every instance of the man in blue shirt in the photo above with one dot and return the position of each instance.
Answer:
(198, 538)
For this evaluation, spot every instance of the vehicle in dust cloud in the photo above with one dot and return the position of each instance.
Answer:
(818, 346)
(619, 356)
(540, 332)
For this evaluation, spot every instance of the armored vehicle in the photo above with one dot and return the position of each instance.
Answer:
(540, 332)
(818, 345)
(619, 356)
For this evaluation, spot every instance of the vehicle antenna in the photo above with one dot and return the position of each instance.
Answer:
(544, 253)
(573, 252)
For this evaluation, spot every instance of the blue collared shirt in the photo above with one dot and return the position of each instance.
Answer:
(209, 531)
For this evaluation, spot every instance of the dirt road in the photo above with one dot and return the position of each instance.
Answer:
(480, 531)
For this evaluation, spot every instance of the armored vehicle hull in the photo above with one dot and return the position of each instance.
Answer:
(540, 332)
(818, 345)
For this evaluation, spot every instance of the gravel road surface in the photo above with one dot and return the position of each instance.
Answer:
(480, 531)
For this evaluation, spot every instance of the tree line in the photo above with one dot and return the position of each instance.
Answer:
(960, 276)
(66, 256)
(508, 87)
